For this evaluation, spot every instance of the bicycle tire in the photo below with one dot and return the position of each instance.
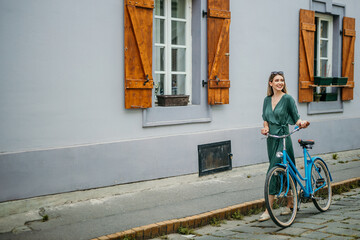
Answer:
(280, 202)
(320, 176)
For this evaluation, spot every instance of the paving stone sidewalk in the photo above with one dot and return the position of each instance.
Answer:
(341, 221)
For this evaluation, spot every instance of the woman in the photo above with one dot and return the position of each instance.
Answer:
(279, 110)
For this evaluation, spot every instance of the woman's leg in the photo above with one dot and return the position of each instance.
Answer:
(271, 201)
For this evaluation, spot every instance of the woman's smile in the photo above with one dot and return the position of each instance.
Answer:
(279, 86)
(278, 83)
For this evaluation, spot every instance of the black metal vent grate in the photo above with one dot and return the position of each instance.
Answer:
(214, 157)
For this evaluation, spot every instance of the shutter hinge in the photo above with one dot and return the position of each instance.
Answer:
(217, 80)
(147, 79)
(204, 14)
(204, 83)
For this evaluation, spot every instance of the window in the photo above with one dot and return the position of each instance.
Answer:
(326, 54)
(323, 45)
(158, 40)
(323, 56)
(167, 44)
(172, 47)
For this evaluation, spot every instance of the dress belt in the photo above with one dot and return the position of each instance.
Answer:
(284, 128)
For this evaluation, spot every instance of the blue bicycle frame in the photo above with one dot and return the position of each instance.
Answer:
(295, 174)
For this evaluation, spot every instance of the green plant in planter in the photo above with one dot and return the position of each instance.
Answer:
(317, 97)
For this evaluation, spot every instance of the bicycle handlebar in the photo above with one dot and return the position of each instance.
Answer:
(284, 136)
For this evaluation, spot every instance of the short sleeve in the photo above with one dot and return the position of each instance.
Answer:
(293, 111)
(264, 117)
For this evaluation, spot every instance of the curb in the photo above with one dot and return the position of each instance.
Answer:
(199, 220)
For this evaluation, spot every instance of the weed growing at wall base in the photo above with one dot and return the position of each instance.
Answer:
(237, 215)
(185, 231)
(215, 222)
(45, 218)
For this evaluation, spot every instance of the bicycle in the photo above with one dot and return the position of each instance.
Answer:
(282, 199)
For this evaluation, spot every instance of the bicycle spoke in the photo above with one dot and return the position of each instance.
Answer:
(321, 186)
(280, 197)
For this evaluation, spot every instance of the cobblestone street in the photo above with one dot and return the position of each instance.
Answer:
(341, 221)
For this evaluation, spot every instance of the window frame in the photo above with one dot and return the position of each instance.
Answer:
(329, 18)
(168, 72)
(330, 36)
(199, 111)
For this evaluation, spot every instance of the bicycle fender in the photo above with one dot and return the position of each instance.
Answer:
(315, 158)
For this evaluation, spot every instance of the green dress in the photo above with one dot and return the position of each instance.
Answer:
(285, 113)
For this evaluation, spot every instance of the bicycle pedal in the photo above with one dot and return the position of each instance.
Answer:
(305, 200)
(320, 182)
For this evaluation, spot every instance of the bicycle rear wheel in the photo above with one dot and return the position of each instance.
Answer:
(320, 181)
(280, 197)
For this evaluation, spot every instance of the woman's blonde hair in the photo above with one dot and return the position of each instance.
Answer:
(270, 90)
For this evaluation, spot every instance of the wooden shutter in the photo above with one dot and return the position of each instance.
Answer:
(306, 55)
(138, 53)
(348, 57)
(218, 24)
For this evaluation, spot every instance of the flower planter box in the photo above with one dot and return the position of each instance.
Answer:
(329, 97)
(323, 80)
(340, 81)
(172, 100)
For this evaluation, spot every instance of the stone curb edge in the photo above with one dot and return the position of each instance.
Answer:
(171, 226)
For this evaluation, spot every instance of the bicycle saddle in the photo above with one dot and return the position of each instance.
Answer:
(306, 143)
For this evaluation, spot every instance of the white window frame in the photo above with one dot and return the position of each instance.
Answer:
(329, 58)
(329, 19)
(169, 46)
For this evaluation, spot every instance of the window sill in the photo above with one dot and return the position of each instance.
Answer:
(175, 115)
(323, 107)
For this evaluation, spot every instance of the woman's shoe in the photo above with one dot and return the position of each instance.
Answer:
(265, 216)
(287, 211)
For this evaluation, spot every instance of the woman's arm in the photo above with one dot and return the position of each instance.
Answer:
(265, 129)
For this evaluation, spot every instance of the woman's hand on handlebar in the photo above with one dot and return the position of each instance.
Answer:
(265, 131)
(303, 124)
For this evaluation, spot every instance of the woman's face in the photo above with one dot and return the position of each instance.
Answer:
(277, 83)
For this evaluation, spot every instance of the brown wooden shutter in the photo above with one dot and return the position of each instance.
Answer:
(138, 53)
(306, 55)
(348, 57)
(218, 24)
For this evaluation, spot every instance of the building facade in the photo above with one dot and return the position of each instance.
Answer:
(82, 81)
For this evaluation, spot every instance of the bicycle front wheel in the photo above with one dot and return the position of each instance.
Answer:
(280, 197)
(321, 185)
